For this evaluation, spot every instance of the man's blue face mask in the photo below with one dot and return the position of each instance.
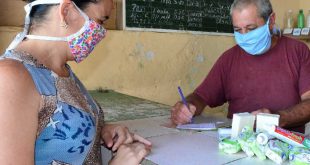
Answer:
(255, 42)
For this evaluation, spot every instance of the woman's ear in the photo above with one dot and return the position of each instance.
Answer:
(63, 11)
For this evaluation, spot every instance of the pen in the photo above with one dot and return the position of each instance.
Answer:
(183, 98)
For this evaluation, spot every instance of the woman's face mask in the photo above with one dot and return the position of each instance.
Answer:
(255, 42)
(81, 43)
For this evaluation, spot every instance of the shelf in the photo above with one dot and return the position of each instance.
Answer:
(301, 37)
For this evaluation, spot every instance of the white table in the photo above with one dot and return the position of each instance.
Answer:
(179, 147)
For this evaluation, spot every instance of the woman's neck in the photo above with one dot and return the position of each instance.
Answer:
(50, 54)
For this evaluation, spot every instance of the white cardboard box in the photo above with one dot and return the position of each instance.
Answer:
(240, 120)
(264, 120)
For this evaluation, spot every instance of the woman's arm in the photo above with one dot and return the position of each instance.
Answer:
(19, 105)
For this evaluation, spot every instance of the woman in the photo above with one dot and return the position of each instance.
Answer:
(46, 114)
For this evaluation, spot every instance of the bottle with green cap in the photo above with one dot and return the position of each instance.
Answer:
(301, 19)
(308, 20)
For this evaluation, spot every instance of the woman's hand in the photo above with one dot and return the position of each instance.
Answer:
(130, 154)
(115, 135)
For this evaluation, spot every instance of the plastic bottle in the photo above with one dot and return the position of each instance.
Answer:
(290, 20)
(301, 19)
(308, 19)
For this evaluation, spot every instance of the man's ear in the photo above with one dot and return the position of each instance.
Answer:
(272, 19)
(63, 10)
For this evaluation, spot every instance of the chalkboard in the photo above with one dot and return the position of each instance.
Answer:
(179, 15)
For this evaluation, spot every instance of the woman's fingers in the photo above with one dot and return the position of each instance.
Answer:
(138, 138)
(123, 137)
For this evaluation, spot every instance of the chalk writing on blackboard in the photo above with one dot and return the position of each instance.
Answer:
(186, 15)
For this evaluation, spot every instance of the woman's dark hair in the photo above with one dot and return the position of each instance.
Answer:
(39, 12)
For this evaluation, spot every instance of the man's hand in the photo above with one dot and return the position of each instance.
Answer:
(263, 110)
(180, 114)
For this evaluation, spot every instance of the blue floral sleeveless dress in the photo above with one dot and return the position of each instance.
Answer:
(70, 120)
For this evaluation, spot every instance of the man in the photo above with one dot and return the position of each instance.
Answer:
(262, 73)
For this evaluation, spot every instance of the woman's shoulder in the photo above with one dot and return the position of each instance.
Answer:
(16, 83)
(12, 68)
(15, 76)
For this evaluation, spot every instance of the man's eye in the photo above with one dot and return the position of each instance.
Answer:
(237, 30)
(250, 29)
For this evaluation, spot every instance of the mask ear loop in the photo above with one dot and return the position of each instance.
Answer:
(19, 37)
(276, 30)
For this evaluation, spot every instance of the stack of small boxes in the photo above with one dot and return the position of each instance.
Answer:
(263, 122)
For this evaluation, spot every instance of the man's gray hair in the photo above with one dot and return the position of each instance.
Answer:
(264, 7)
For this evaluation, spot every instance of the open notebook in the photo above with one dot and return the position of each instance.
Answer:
(201, 126)
(205, 124)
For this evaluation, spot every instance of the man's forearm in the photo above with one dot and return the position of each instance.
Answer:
(296, 115)
(197, 101)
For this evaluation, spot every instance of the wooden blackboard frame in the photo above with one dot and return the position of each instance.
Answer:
(164, 30)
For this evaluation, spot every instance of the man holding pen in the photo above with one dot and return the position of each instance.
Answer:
(262, 73)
